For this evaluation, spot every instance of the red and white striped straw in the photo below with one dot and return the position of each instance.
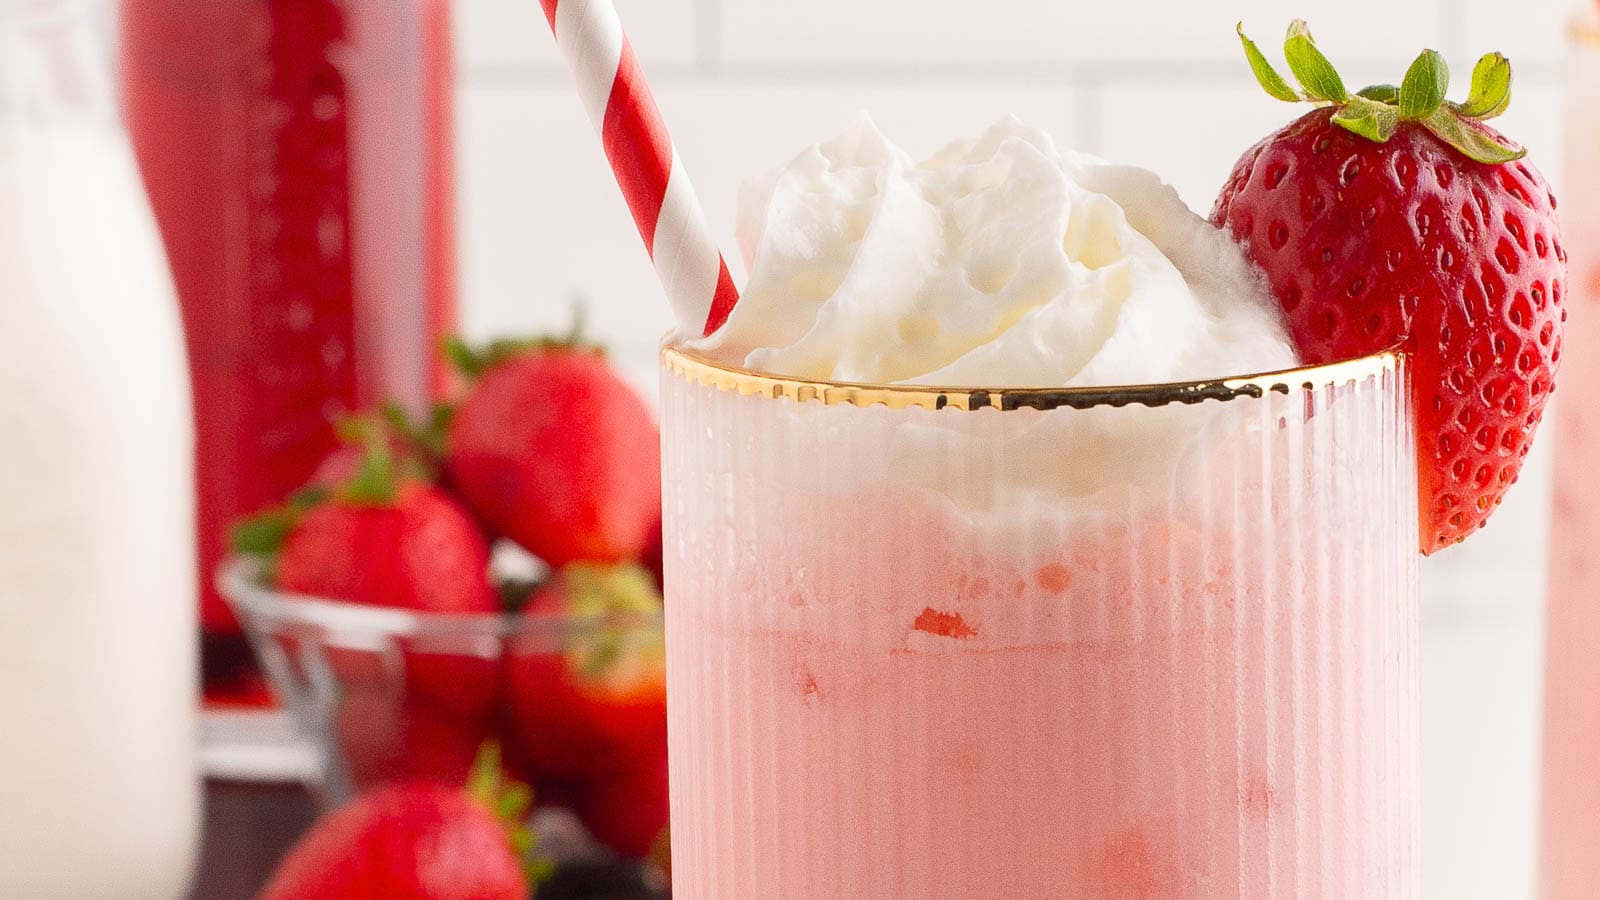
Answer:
(642, 156)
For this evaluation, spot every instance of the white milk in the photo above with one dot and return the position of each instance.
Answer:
(98, 775)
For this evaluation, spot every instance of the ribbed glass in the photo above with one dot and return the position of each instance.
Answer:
(1075, 644)
(1569, 818)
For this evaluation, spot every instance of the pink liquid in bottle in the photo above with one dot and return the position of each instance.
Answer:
(298, 158)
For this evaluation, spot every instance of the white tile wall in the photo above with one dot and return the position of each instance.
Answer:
(1126, 33)
(1174, 129)
(1525, 31)
(515, 33)
(746, 83)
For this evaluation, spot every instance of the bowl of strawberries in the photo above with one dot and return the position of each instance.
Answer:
(380, 602)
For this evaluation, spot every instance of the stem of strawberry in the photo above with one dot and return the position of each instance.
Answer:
(510, 802)
(1375, 112)
(374, 481)
(474, 361)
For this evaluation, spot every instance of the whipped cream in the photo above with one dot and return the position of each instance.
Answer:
(997, 261)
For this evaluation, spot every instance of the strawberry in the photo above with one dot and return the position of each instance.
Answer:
(654, 555)
(628, 811)
(414, 448)
(418, 842)
(1392, 217)
(424, 722)
(586, 685)
(554, 450)
(383, 537)
(661, 854)
(387, 734)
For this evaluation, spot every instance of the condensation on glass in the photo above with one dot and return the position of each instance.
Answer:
(1132, 642)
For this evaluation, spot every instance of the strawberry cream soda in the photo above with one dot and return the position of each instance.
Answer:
(993, 566)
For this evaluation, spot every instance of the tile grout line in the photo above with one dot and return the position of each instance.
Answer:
(709, 69)
(1089, 118)
(707, 50)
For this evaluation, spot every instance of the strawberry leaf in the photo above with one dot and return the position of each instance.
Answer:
(474, 361)
(1270, 80)
(374, 481)
(429, 439)
(1372, 120)
(539, 869)
(1470, 138)
(1491, 88)
(357, 429)
(604, 651)
(1318, 76)
(308, 497)
(510, 802)
(439, 420)
(1375, 112)
(619, 596)
(1383, 93)
(1424, 86)
(467, 360)
(264, 533)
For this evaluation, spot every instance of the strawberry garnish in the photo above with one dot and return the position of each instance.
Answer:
(1392, 216)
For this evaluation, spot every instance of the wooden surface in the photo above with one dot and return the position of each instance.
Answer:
(249, 827)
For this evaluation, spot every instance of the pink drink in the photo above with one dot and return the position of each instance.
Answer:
(1569, 841)
(1025, 652)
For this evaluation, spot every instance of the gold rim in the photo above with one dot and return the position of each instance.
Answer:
(694, 367)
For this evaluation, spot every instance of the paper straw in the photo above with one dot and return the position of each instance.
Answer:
(652, 178)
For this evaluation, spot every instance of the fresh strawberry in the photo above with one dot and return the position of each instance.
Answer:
(661, 854)
(413, 449)
(421, 720)
(554, 450)
(653, 556)
(384, 538)
(628, 811)
(387, 734)
(418, 842)
(1392, 216)
(586, 684)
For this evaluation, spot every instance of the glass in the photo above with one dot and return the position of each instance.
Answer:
(388, 694)
(99, 776)
(298, 156)
(1143, 641)
(1569, 841)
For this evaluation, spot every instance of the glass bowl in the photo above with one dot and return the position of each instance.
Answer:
(386, 694)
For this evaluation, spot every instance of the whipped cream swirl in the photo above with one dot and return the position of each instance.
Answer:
(997, 261)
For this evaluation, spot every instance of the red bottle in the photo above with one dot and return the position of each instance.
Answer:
(297, 154)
